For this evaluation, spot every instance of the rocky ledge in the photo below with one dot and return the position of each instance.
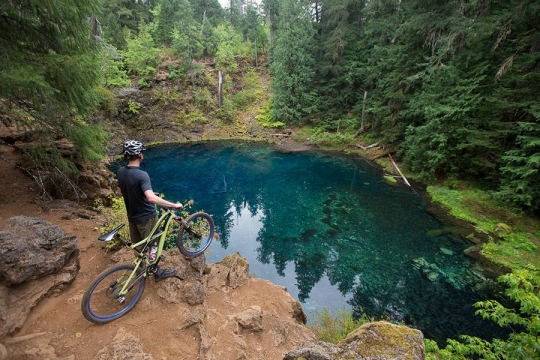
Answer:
(209, 311)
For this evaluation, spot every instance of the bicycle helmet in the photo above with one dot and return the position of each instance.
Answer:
(133, 147)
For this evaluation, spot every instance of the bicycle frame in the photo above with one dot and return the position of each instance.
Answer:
(112, 293)
(160, 230)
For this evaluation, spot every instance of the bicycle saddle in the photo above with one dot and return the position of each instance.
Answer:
(111, 234)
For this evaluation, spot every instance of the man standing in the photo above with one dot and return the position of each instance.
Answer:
(135, 187)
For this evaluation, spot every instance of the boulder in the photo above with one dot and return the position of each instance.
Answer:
(379, 340)
(37, 258)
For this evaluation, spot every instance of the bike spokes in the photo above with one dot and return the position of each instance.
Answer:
(196, 235)
(113, 294)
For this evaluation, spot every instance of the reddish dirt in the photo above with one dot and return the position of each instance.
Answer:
(56, 328)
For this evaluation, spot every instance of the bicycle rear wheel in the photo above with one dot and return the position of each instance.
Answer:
(196, 236)
(101, 303)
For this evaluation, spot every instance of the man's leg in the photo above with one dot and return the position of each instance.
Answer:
(145, 229)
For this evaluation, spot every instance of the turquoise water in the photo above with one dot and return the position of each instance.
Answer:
(331, 230)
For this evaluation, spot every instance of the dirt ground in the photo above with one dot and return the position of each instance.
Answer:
(56, 328)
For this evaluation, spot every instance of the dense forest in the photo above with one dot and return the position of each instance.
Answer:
(451, 86)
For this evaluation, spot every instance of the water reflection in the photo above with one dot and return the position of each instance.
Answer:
(329, 229)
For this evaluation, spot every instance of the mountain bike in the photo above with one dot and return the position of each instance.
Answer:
(116, 290)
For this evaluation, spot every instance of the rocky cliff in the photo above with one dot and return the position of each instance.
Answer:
(209, 311)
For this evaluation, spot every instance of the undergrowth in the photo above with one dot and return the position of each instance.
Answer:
(334, 328)
(513, 237)
(113, 215)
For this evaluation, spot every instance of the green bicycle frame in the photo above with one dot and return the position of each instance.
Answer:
(166, 218)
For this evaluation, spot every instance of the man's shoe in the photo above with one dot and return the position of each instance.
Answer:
(164, 273)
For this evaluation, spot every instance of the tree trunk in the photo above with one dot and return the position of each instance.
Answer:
(220, 90)
(363, 111)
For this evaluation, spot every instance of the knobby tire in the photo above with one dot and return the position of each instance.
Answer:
(100, 303)
(198, 235)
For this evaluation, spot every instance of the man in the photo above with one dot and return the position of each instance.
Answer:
(135, 187)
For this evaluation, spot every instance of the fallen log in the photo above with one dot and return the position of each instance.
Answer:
(367, 147)
(399, 171)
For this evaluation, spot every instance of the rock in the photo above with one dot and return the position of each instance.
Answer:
(124, 346)
(378, 340)
(3, 352)
(238, 269)
(419, 262)
(33, 247)
(232, 271)
(446, 251)
(502, 227)
(431, 275)
(37, 259)
(250, 319)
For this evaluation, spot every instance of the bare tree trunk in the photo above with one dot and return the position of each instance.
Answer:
(220, 90)
(203, 20)
(272, 27)
(363, 111)
(256, 58)
(192, 71)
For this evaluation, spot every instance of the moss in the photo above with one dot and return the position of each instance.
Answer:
(385, 338)
(390, 179)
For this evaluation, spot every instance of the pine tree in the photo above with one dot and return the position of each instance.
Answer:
(293, 63)
(50, 66)
(49, 57)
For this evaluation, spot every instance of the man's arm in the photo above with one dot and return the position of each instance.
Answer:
(154, 199)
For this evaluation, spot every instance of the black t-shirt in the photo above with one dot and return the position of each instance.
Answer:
(134, 182)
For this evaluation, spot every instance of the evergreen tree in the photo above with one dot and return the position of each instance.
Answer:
(49, 57)
(50, 66)
(127, 16)
(167, 16)
(292, 66)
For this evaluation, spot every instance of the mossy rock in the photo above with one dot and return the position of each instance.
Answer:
(390, 179)
(502, 227)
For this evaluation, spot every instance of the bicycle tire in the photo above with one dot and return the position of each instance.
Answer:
(198, 235)
(101, 305)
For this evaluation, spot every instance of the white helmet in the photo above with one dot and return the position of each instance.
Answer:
(133, 147)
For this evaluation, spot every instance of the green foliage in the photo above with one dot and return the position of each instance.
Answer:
(521, 173)
(90, 140)
(523, 288)
(49, 58)
(226, 112)
(265, 119)
(106, 100)
(515, 248)
(113, 215)
(229, 46)
(122, 17)
(292, 66)
(114, 73)
(203, 98)
(321, 137)
(141, 55)
(451, 85)
(335, 327)
(134, 106)
(192, 117)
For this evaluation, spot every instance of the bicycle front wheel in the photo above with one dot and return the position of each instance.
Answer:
(102, 302)
(196, 235)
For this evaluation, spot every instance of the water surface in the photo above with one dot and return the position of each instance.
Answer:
(331, 230)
